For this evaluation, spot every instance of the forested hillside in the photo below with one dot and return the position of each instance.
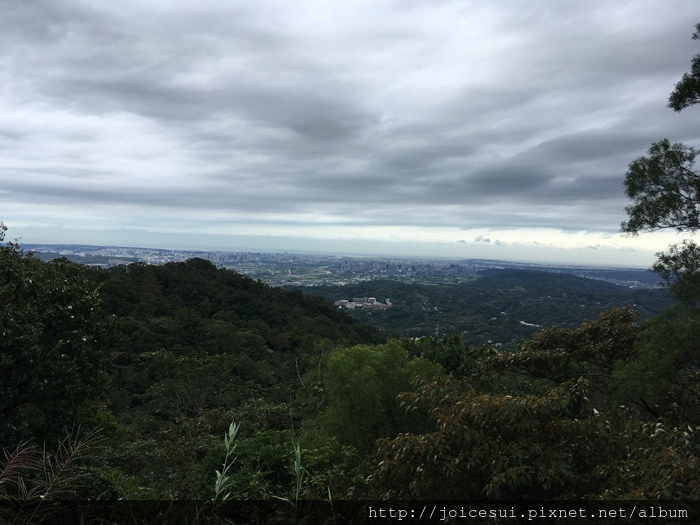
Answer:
(502, 307)
(151, 366)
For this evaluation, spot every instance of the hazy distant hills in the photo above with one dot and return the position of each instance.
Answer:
(542, 282)
(503, 307)
(631, 277)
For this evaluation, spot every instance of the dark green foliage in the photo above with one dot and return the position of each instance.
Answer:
(552, 430)
(680, 268)
(189, 387)
(333, 468)
(493, 446)
(605, 410)
(193, 348)
(197, 348)
(562, 354)
(659, 462)
(665, 193)
(503, 307)
(361, 385)
(451, 353)
(554, 445)
(263, 465)
(664, 189)
(193, 310)
(195, 305)
(53, 349)
(687, 91)
(663, 378)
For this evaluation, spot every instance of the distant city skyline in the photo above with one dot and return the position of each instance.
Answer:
(344, 252)
(449, 130)
(314, 269)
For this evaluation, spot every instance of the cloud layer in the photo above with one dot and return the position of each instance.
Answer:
(361, 120)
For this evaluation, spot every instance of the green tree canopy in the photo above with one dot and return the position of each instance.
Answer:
(557, 432)
(680, 268)
(664, 189)
(663, 379)
(52, 361)
(687, 91)
(361, 385)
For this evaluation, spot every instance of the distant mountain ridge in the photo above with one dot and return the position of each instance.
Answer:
(501, 308)
(632, 277)
(542, 281)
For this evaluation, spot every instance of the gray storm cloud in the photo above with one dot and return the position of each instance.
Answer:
(500, 115)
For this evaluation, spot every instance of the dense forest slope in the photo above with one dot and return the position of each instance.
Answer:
(150, 365)
(193, 310)
(197, 347)
(503, 306)
(162, 358)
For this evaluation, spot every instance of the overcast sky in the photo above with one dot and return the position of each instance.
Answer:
(499, 129)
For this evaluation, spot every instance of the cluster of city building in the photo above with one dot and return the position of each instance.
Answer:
(289, 269)
(365, 303)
